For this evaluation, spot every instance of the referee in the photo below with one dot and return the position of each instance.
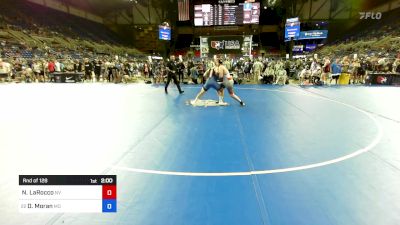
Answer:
(172, 72)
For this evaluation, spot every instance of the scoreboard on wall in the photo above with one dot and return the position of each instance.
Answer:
(226, 14)
(164, 33)
(292, 28)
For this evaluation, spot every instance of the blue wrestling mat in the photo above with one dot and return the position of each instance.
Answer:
(292, 155)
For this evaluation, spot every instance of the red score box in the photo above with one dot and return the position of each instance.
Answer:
(109, 191)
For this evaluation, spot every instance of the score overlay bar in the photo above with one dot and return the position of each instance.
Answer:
(68, 193)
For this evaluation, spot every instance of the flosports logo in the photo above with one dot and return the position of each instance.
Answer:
(370, 15)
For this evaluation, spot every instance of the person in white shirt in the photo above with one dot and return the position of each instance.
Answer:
(304, 74)
(228, 64)
(355, 76)
(257, 68)
(396, 66)
(270, 75)
(314, 66)
(2, 67)
(210, 64)
(5, 69)
(27, 74)
(57, 66)
(281, 75)
(315, 71)
(278, 65)
(381, 64)
(37, 70)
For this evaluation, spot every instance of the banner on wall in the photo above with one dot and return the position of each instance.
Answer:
(224, 45)
(298, 48)
(215, 45)
(310, 47)
(311, 34)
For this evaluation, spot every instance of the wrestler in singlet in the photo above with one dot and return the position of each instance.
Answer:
(212, 80)
(227, 80)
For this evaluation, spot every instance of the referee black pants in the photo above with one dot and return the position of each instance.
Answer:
(173, 77)
(180, 76)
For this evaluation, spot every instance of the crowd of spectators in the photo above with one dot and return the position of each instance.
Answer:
(305, 71)
(101, 69)
(326, 70)
(26, 56)
(116, 69)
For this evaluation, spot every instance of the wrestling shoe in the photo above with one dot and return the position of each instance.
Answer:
(222, 103)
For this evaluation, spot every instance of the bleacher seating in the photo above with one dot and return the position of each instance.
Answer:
(370, 37)
(27, 25)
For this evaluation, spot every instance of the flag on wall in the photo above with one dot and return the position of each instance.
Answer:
(183, 7)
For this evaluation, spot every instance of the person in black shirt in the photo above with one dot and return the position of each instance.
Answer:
(181, 69)
(88, 69)
(97, 69)
(172, 72)
(78, 66)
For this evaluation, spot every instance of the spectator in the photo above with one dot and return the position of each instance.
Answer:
(38, 70)
(336, 71)
(97, 69)
(326, 69)
(362, 70)
(161, 73)
(228, 64)
(354, 70)
(247, 69)
(345, 64)
(269, 75)
(194, 74)
(78, 67)
(27, 74)
(305, 74)
(88, 67)
(315, 72)
(146, 70)
(5, 70)
(281, 75)
(257, 68)
(57, 66)
(118, 72)
(180, 70)
(396, 66)
(51, 69)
